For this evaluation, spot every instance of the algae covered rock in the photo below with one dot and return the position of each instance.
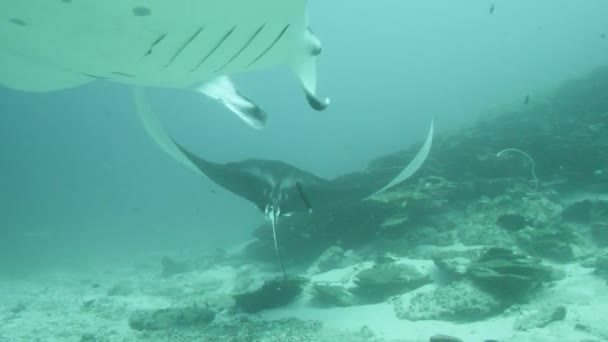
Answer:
(454, 263)
(541, 318)
(586, 211)
(507, 274)
(273, 294)
(458, 301)
(382, 281)
(331, 258)
(511, 222)
(333, 295)
(444, 338)
(171, 318)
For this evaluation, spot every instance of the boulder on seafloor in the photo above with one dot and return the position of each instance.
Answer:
(541, 318)
(586, 211)
(273, 294)
(333, 295)
(382, 281)
(331, 258)
(170, 318)
(550, 246)
(511, 222)
(454, 263)
(551, 242)
(506, 274)
(444, 338)
(458, 301)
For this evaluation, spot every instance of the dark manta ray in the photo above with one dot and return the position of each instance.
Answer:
(275, 187)
(280, 189)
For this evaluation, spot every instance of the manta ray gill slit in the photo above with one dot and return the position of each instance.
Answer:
(274, 42)
(156, 42)
(240, 51)
(18, 21)
(215, 48)
(122, 74)
(183, 47)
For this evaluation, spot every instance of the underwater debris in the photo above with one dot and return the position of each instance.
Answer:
(532, 165)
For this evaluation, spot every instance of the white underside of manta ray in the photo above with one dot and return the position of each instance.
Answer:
(48, 45)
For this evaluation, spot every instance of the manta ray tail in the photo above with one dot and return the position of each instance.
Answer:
(276, 246)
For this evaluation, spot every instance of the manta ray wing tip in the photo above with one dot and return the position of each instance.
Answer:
(317, 103)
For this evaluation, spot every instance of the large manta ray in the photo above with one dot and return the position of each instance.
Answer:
(50, 45)
(275, 187)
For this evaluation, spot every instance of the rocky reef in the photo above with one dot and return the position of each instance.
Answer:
(501, 236)
(498, 208)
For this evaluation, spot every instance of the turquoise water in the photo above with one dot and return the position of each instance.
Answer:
(90, 205)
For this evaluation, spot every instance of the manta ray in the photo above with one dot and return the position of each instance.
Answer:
(48, 45)
(275, 187)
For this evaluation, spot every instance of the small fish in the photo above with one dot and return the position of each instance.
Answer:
(492, 8)
(527, 99)
(603, 36)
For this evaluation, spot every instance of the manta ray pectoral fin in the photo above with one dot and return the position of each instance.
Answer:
(224, 90)
(22, 73)
(157, 132)
(304, 65)
(413, 166)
